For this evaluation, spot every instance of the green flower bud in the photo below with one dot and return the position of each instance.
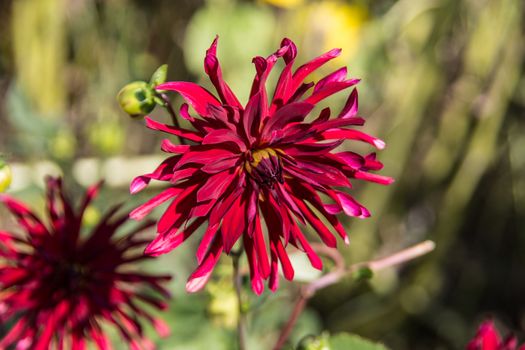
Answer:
(159, 76)
(137, 98)
(5, 176)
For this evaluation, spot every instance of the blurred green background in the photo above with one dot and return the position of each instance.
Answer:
(442, 84)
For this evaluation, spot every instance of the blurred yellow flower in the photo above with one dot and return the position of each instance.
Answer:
(5, 176)
(284, 3)
(332, 24)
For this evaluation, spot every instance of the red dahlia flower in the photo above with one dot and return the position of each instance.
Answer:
(488, 338)
(259, 165)
(58, 286)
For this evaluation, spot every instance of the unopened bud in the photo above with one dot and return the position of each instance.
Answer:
(137, 98)
(5, 176)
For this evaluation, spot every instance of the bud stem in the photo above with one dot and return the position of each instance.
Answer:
(173, 115)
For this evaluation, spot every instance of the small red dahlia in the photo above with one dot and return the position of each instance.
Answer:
(58, 286)
(488, 338)
(256, 171)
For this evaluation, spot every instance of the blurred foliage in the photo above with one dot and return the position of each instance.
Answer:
(443, 84)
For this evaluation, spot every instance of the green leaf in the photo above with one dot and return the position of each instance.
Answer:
(346, 341)
(159, 76)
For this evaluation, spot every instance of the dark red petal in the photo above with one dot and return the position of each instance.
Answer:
(351, 106)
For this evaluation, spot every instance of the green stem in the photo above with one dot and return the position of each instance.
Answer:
(237, 283)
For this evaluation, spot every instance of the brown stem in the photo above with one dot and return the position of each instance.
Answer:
(173, 115)
(237, 283)
(340, 272)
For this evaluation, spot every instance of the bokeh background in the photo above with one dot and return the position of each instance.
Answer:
(442, 84)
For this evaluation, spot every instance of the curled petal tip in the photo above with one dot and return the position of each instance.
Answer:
(380, 144)
(196, 284)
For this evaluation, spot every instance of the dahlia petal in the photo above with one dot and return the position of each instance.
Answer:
(206, 241)
(351, 206)
(213, 69)
(353, 160)
(290, 113)
(256, 280)
(15, 333)
(260, 247)
(139, 183)
(383, 180)
(185, 113)
(233, 224)
(140, 212)
(337, 76)
(161, 327)
(220, 165)
(329, 89)
(196, 96)
(352, 135)
(168, 146)
(326, 236)
(215, 186)
(166, 242)
(180, 206)
(288, 271)
(273, 282)
(202, 274)
(371, 163)
(306, 69)
(187, 134)
(24, 215)
(205, 156)
(351, 106)
(182, 174)
(315, 260)
(222, 136)
(253, 113)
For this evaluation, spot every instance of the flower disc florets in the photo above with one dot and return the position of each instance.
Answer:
(256, 171)
(58, 287)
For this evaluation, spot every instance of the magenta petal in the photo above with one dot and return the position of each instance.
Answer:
(138, 184)
(352, 135)
(140, 212)
(383, 180)
(168, 146)
(351, 106)
(305, 70)
(194, 94)
(202, 274)
(187, 134)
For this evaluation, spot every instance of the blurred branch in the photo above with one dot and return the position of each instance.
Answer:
(340, 272)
